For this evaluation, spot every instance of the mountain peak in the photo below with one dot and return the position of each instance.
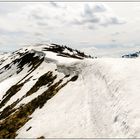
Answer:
(59, 50)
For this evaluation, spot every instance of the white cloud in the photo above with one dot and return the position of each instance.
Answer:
(98, 15)
(54, 15)
(61, 21)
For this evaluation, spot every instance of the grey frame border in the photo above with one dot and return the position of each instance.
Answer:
(70, 1)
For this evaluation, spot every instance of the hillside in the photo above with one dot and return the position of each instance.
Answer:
(52, 91)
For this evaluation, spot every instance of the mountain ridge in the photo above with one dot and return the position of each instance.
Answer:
(22, 64)
(51, 93)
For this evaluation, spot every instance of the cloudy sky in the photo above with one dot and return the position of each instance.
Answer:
(75, 24)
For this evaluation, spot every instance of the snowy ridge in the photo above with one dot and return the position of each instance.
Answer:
(52, 91)
(29, 77)
(104, 109)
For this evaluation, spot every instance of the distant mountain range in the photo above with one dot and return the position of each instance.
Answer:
(131, 55)
(111, 52)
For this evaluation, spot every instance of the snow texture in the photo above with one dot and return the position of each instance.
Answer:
(102, 103)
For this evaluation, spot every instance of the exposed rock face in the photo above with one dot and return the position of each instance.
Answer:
(132, 55)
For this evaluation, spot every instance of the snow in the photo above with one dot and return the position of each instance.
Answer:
(36, 74)
(102, 103)
(6, 59)
(6, 82)
(37, 47)
(4, 86)
(27, 86)
(58, 59)
(67, 51)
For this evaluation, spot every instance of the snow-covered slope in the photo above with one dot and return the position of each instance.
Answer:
(54, 92)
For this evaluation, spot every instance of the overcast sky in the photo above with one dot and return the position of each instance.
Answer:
(76, 24)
